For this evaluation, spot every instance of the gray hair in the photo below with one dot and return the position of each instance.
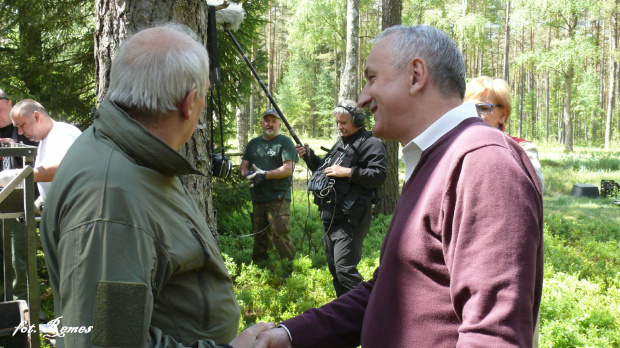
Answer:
(153, 79)
(339, 110)
(3, 94)
(444, 60)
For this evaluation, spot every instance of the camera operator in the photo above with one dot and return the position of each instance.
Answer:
(344, 185)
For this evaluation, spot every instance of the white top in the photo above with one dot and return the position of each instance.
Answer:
(54, 147)
(532, 153)
(413, 151)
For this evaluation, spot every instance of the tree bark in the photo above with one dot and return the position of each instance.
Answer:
(242, 126)
(115, 21)
(507, 45)
(348, 80)
(271, 42)
(390, 191)
(613, 67)
(547, 88)
(568, 125)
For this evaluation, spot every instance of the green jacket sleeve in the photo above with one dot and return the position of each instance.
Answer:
(107, 287)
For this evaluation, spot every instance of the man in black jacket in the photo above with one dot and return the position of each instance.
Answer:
(344, 184)
(9, 134)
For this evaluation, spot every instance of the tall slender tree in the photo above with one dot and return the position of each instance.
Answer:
(389, 192)
(613, 68)
(348, 79)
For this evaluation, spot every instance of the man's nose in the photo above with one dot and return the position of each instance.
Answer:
(363, 101)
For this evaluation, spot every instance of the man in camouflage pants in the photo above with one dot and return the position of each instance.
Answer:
(267, 164)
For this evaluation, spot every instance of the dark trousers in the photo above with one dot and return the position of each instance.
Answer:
(20, 259)
(273, 218)
(343, 249)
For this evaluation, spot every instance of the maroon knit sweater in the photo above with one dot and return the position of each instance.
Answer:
(462, 261)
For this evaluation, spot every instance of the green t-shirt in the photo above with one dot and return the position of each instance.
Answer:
(268, 155)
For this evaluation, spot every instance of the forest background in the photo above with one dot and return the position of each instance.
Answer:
(559, 56)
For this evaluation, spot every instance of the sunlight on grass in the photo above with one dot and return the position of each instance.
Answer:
(581, 294)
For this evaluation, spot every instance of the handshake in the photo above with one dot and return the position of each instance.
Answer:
(256, 176)
(262, 335)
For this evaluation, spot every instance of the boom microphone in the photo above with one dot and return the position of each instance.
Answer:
(228, 14)
(230, 17)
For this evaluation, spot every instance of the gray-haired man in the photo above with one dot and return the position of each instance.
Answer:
(462, 261)
(131, 259)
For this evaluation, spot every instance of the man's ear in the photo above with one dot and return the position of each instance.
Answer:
(36, 116)
(418, 75)
(186, 105)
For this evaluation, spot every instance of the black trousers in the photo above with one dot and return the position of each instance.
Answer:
(343, 248)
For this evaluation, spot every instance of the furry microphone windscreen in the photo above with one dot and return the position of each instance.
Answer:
(230, 16)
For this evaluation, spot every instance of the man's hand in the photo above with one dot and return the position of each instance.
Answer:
(6, 140)
(256, 176)
(246, 338)
(274, 338)
(338, 171)
(302, 150)
(7, 175)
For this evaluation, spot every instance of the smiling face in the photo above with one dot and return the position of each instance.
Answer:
(271, 125)
(386, 92)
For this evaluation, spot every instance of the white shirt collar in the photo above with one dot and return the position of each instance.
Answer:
(413, 151)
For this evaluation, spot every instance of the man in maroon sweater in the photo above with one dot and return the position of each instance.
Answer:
(462, 261)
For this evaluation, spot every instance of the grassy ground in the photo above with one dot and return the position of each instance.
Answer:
(581, 295)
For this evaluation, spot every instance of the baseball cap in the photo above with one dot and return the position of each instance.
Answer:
(271, 112)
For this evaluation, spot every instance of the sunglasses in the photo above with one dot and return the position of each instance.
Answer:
(4, 98)
(485, 108)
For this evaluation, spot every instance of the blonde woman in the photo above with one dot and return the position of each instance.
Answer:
(492, 99)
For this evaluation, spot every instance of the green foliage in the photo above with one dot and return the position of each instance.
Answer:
(581, 296)
(46, 53)
(578, 312)
(237, 78)
(581, 291)
(231, 200)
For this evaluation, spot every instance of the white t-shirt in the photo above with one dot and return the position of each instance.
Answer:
(54, 147)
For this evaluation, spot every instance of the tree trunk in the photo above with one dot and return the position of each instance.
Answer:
(507, 45)
(521, 85)
(118, 19)
(547, 93)
(252, 102)
(568, 125)
(348, 80)
(390, 190)
(613, 66)
(335, 84)
(242, 126)
(271, 42)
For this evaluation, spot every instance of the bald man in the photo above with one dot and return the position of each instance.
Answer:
(131, 259)
(33, 122)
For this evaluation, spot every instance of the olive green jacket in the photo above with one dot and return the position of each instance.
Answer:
(130, 257)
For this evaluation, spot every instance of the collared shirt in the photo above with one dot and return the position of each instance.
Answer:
(413, 151)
